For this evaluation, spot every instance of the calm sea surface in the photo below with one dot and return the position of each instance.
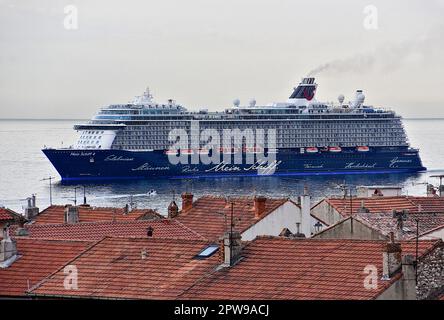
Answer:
(23, 166)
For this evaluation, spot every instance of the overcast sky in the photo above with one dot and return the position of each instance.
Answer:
(205, 53)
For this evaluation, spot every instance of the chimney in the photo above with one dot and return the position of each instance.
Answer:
(259, 206)
(305, 201)
(408, 277)
(8, 249)
(173, 210)
(431, 191)
(31, 210)
(71, 214)
(391, 257)
(362, 208)
(187, 201)
(231, 248)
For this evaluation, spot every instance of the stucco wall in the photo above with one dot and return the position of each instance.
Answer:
(350, 229)
(286, 216)
(326, 213)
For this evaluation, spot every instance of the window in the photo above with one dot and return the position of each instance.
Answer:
(208, 251)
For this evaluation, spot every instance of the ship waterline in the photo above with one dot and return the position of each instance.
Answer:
(120, 164)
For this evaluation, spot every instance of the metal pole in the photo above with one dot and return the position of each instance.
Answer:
(50, 188)
(75, 196)
(50, 191)
(440, 186)
(231, 233)
(417, 249)
(84, 195)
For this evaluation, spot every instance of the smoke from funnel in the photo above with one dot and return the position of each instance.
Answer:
(385, 58)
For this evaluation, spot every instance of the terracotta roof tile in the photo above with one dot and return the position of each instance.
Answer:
(277, 268)
(387, 204)
(115, 268)
(385, 223)
(162, 228)
(210, 215)
(37, 260)
(55, 214)
(8, 215)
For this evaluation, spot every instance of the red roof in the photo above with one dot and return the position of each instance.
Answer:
(210, 216)
(279, 268)
(387, 204)
(385, 223)
(134, 269)
(55, 214)
(8, 215)
(162, 228)
(37, 260)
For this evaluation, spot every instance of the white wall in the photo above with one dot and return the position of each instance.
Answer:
(285, 216)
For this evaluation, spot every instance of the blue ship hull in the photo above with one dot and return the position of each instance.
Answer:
(74, 164)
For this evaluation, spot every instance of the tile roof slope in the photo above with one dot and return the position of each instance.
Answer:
(115, 268)
(162, 228)
(374, 204)
(278, 268)
(37, 260)
(385, 223)
(55, 214)
(210, 215)
(429, 204)
(8, 215)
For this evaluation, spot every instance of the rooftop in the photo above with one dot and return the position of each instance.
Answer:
(37, 260)
(387, 204)
(385, 223)
(7, 215)
(55, 214)
(134, 269)
(210, 216)
(278, 268)
(162, 228)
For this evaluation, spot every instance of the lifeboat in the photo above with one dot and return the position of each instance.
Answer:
(363, 149)
(311, 150)
(171, 152)
(253, 150)
(228, 150)
(334, 149)
(186, 151)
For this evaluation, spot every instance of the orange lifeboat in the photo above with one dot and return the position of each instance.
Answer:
(171, 152)
(363, 149)
(186, 151)
(311, 150)
(334, 149)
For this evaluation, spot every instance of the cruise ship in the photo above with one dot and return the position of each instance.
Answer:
(133, 140)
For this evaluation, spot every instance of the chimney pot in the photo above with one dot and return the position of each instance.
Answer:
(187, 201)
(391, 257)
(231, 248)
(173, 210)
(71, 214)
(259, 205)
(8, 249)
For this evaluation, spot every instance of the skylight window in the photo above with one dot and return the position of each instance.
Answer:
(208, 251)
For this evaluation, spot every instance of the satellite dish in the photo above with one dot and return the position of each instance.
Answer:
(341, 98)
(252, 102)
(236, 102)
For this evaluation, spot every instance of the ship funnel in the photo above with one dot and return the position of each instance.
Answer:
(306, 89)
